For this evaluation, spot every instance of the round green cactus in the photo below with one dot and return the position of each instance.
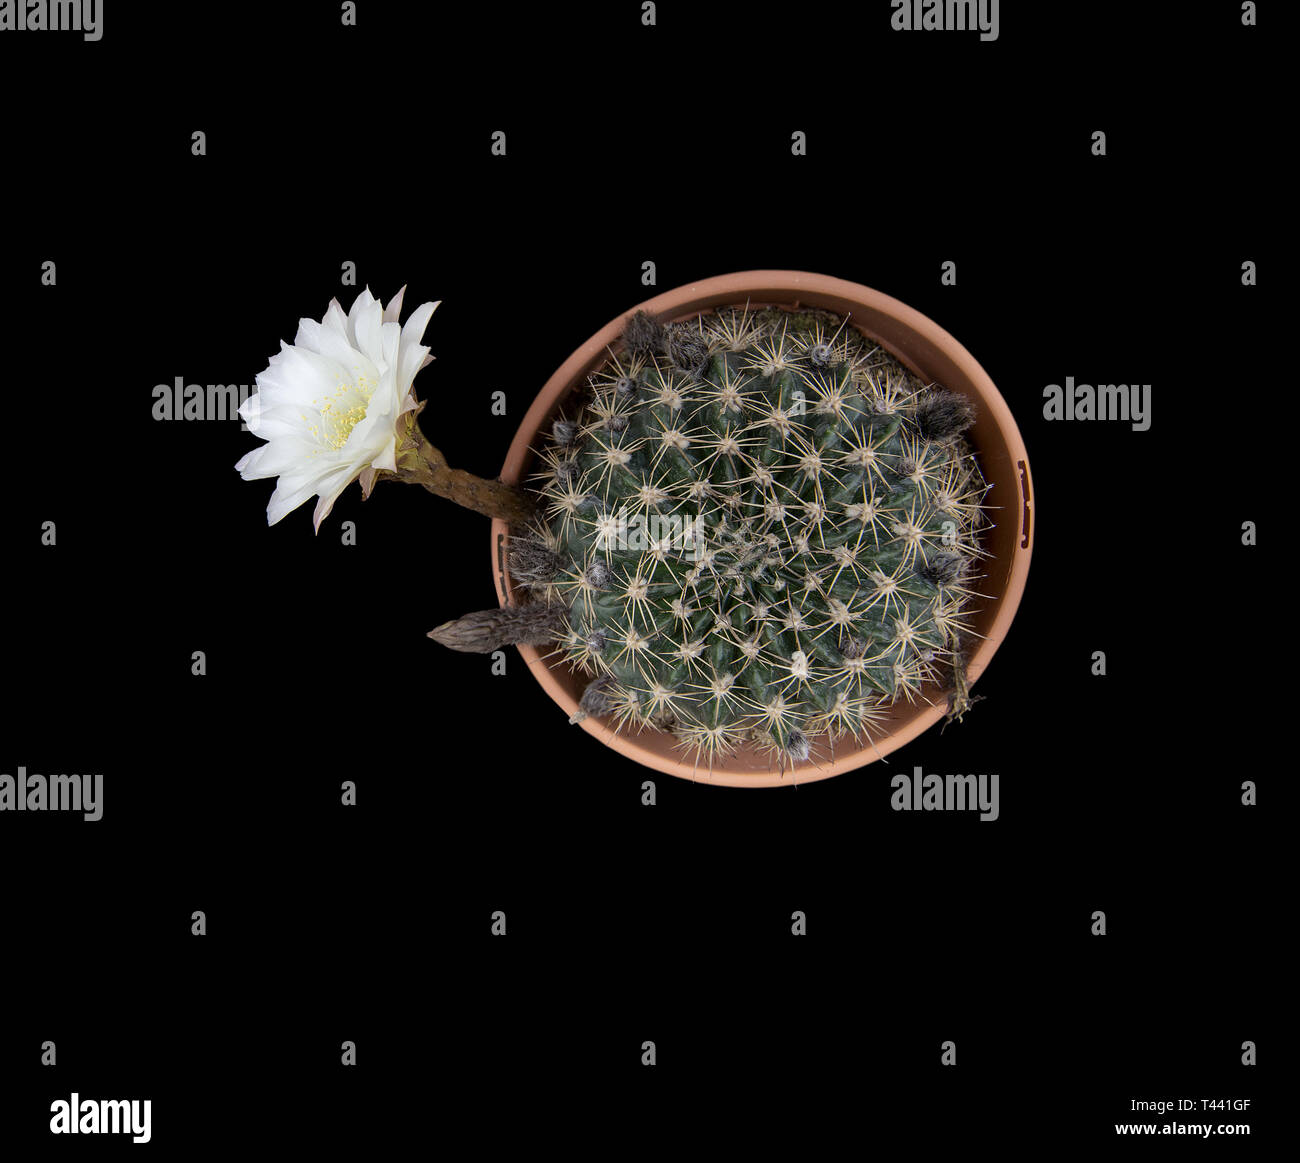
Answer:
(757, 527)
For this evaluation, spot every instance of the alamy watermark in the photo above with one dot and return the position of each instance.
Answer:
(52, 793)
(181, 401)
(655, 531)
(1079, 401)
(83, 16)
(919, 792)
(102, 1116)
(946, 16)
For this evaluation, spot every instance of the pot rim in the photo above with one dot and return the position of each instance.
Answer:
(784, 288)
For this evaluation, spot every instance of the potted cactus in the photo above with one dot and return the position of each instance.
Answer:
(746, 533)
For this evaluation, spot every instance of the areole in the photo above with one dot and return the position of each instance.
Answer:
(931, 353)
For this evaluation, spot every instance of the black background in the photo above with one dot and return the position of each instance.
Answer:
(671, 923)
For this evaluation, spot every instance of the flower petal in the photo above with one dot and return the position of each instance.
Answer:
(330, 491)
(288, 495)
(413, 331)
(351, 362)
(393, 312)
(274, 458)
(335, 318)
(361, 304)
(368, 326)
(410, 362)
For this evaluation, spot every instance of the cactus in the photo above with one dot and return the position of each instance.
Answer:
(756, 526)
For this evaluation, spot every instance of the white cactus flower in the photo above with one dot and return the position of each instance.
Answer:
(329, 405)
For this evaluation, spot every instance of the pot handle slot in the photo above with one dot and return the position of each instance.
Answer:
(1024, 493)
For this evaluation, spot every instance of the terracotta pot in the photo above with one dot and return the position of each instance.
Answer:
(931, 353)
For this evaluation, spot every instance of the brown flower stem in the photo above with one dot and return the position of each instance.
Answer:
(428, 467)
(959, 698)
(487, 630)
